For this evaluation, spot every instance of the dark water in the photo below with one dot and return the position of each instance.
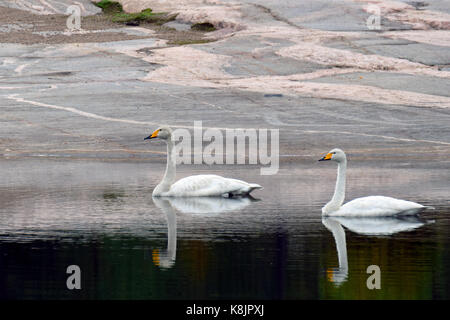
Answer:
(101, 217)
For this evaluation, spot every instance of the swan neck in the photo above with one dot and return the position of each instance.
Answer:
(339, 190)
(171, 170)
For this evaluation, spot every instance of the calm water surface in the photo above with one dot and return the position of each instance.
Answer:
(101, 217)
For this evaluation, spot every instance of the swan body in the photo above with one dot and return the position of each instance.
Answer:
(378, 206)
(366, 206)
(207, 185)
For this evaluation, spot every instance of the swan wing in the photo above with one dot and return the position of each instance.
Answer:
(209, 185)
(378, 206)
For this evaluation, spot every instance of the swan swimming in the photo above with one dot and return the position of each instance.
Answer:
(204, 185)
(366, 206)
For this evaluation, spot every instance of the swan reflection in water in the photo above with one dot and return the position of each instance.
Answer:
(369, 226)
(195, 206)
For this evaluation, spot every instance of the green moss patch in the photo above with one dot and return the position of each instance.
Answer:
(109, 7)
(115, 10)
(145, 15)
(181, 42)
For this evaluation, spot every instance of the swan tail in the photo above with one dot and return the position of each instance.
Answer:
(254, 186)
(246, 191)
(429, 208)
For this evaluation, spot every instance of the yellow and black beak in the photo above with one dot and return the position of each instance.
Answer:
(153, 135)
(326, 157)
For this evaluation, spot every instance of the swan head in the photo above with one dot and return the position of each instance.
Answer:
(336, 155)
(161, 133)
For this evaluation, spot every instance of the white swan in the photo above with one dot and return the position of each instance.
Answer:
(367, 206)
(204, 185)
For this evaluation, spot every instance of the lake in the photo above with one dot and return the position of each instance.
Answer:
(100, 216)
